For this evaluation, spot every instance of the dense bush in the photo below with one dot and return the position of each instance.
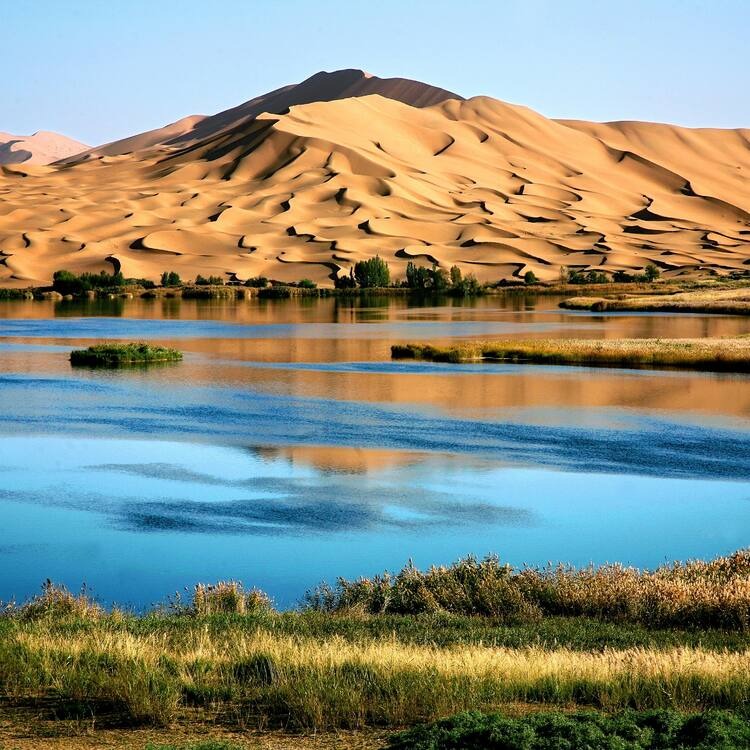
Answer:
(371, 273)
(436, 279)
(257, 282)
(650, 273)
(171, 278)
(210, 281)
(145, 283)
(530, 278)
(689, 595)
(13, 294)
(66, 282)
(646, 730)
(307, 284)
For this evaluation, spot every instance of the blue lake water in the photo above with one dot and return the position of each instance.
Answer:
(287, 448)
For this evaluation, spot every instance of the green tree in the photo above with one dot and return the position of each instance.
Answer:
(373, 272)
(530, 278)
(455, 276)
(651, 272)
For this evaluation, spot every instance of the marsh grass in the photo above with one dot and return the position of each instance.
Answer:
(122, 355)
(724, 301)
(717, 355)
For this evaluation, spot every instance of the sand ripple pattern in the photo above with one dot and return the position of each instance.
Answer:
(492, 187)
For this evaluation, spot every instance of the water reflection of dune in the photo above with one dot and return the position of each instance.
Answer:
(340, 459)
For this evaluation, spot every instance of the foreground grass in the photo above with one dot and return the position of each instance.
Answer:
(120, 355)
(393, 650)
(717, 355)
(652, 730)
(263, 679)
(723, 301)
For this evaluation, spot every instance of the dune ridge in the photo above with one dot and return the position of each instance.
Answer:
(42, 147)
(494, 188)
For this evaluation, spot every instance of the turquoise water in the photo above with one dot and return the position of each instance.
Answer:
(287, 448)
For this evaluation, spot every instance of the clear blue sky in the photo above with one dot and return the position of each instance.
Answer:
(103, 69)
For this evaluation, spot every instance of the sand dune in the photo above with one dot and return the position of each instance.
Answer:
(492, 187)
(322, 87)
(43, 147)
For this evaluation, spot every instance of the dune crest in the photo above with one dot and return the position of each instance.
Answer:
(494, 188)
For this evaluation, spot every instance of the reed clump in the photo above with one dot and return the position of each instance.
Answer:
(715, 355)
(56, 603)
(228, 597)
(695, 594)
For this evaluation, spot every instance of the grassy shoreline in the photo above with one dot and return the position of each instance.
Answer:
(714, 355)
(726, 302)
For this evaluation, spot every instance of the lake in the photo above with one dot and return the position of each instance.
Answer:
(287, 448)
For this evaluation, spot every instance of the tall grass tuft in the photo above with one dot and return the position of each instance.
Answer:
(228, 597)
(57, 603)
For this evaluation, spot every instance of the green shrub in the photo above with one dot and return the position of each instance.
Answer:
(210, 281)
(651, 272)
(66, 282)
(646, 730)
(307, 284)
(15, 294)
(530, 278)
(257, 282)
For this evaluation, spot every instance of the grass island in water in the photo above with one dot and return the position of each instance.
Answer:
(123, 355)
(715, 355)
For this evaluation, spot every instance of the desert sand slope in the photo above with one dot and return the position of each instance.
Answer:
(492, 187)
(139, 142)
(43, 147)
(322, 87)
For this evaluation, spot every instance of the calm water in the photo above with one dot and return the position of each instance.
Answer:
(287, 448)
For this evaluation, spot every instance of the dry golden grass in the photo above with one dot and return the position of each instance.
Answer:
(727, 301)
(260, 679)
(720, 355)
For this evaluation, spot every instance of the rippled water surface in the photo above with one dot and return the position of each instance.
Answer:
(288, 448)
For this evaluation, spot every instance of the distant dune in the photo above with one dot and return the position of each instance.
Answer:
(410, 173)
(43, 147)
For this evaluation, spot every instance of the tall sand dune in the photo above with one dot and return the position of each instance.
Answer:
(494, 188)
(322, 87)
(42, 147)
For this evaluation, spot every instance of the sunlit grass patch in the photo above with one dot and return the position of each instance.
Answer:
(719, 355)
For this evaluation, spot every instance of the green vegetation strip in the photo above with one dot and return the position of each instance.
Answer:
(649, 730)
(717, 355)
(122, 355)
